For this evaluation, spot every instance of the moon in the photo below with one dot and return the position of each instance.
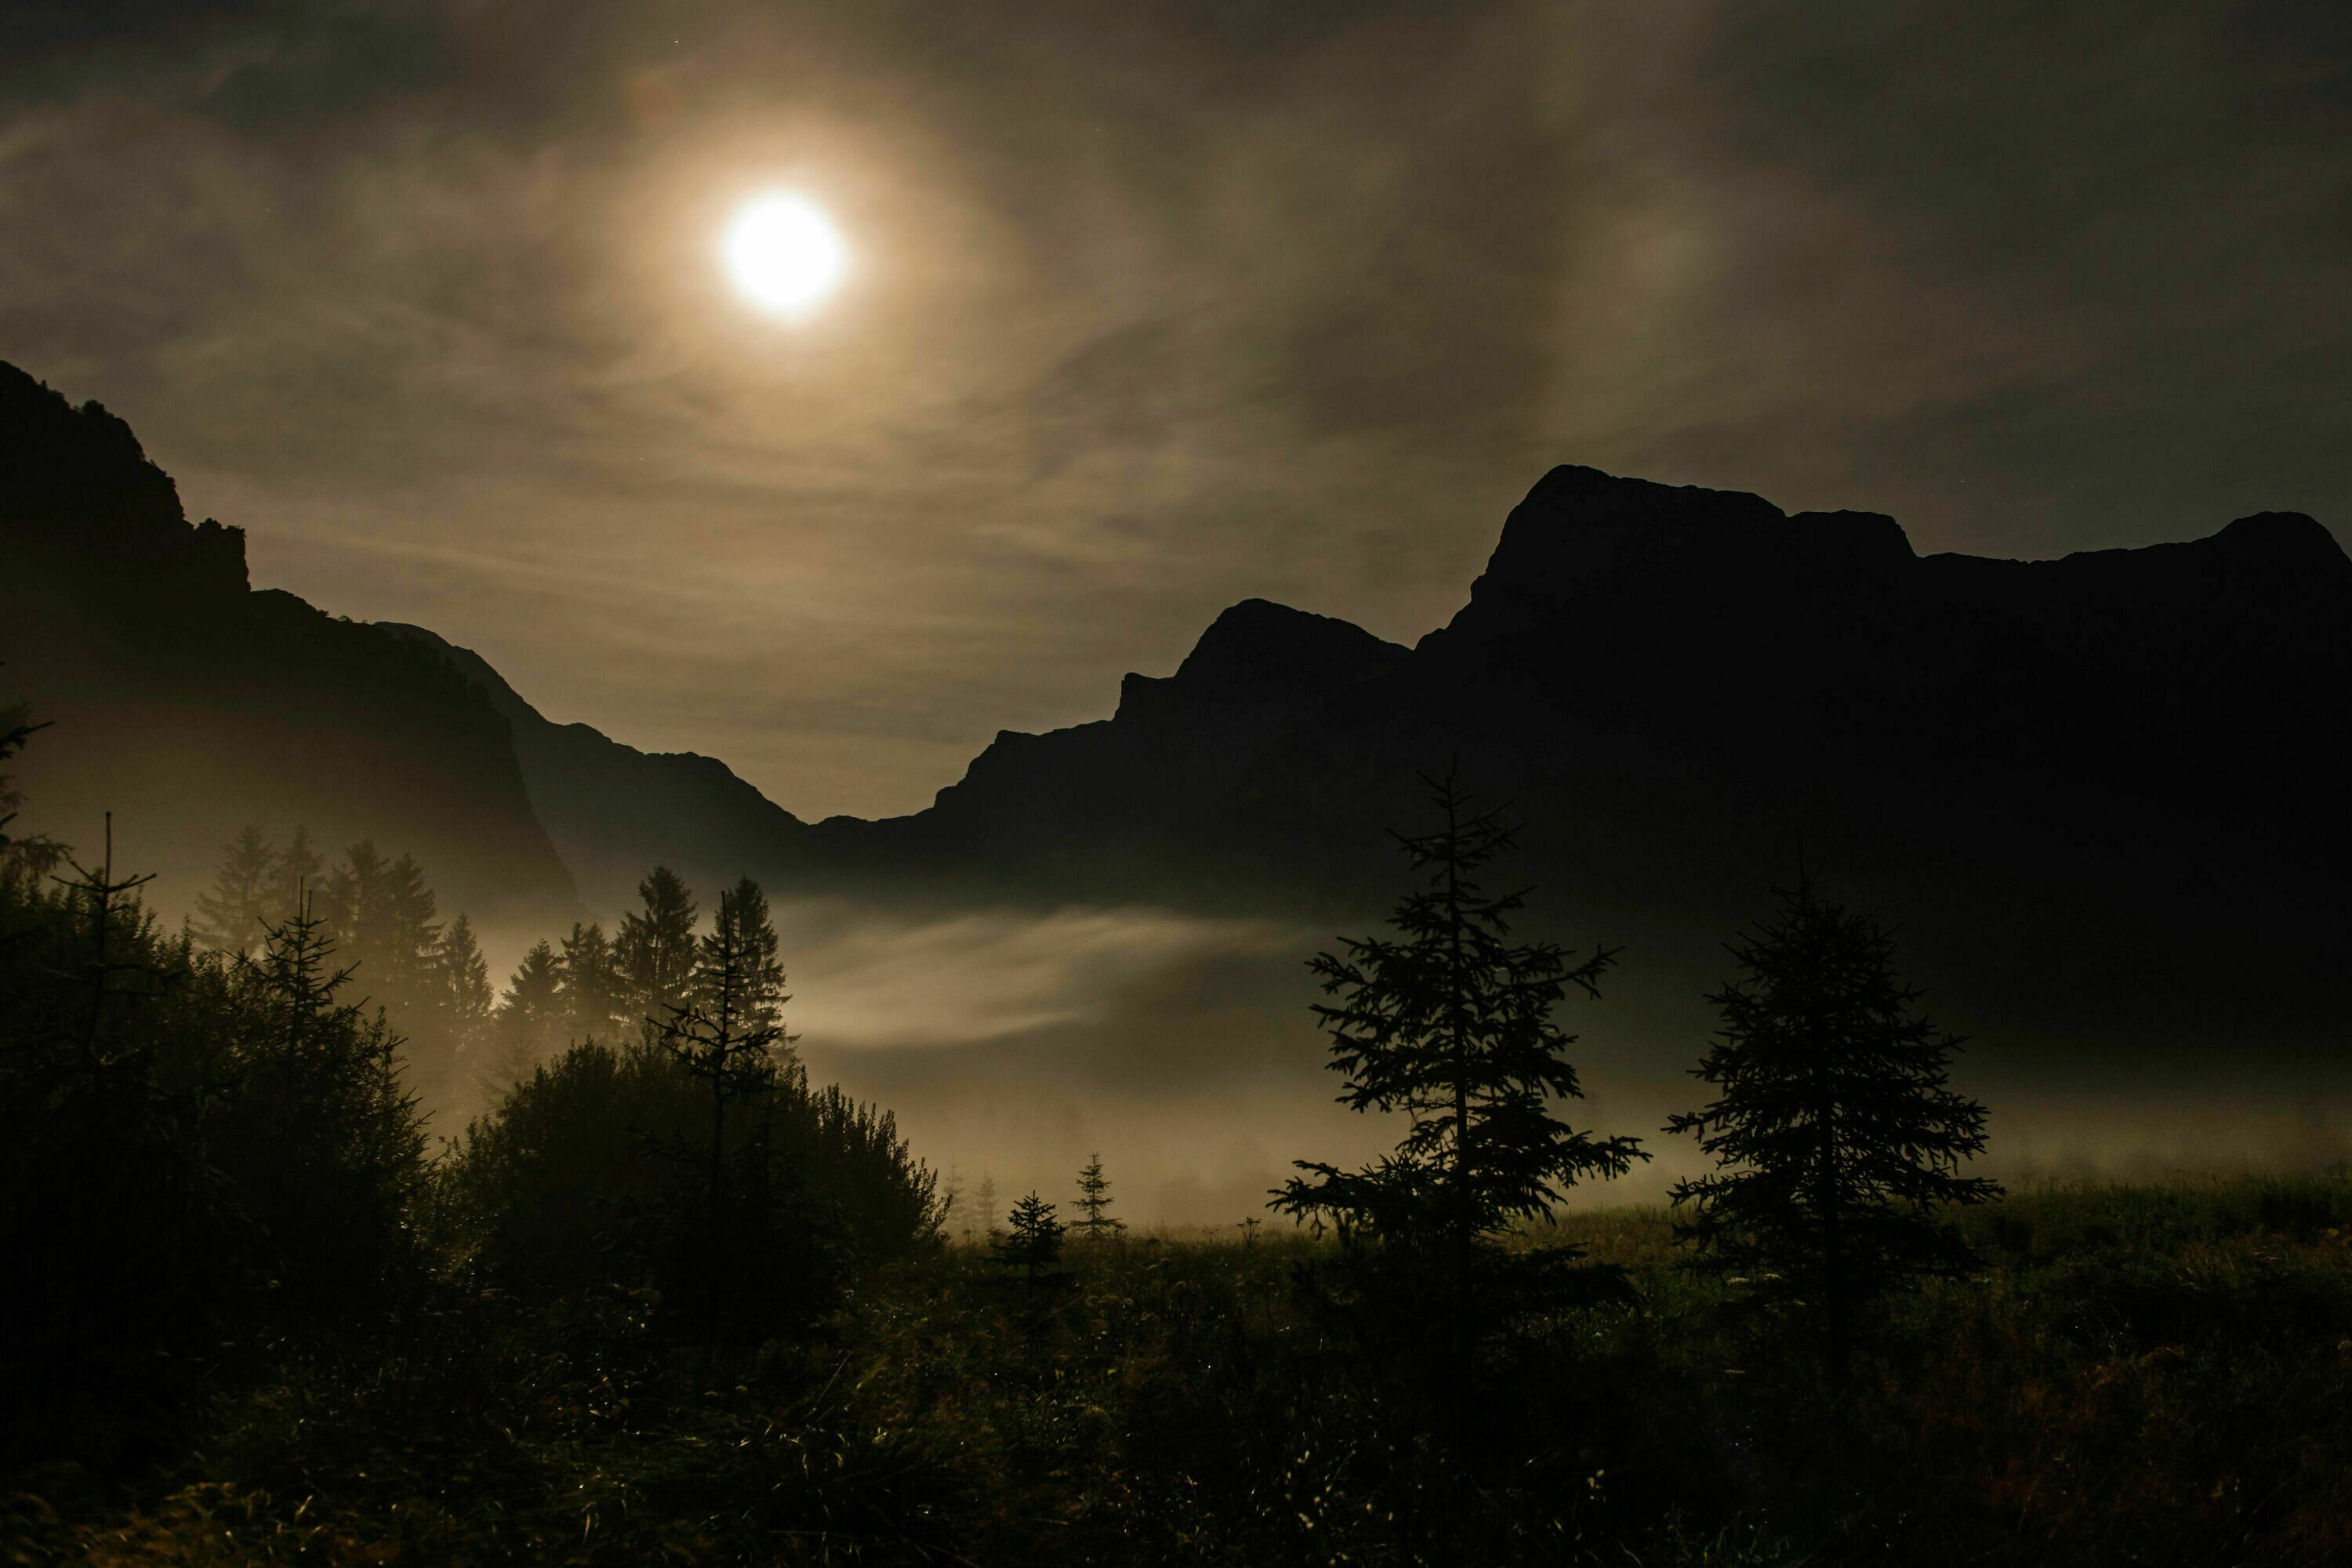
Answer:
(783, 254)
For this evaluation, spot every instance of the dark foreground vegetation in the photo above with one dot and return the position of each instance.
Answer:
(666, 1300)
(2141, 1375)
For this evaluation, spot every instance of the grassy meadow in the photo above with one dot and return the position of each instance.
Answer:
(2140, 1375)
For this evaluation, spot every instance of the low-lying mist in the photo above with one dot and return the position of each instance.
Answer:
(1013, 1045)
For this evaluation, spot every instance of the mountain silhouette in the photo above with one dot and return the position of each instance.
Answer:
(2101, 795)
(613, 811)
(188, 704)
(2102, 792)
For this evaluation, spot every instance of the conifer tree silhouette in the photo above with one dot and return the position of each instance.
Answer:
(983, 1207)
(736, 964)
(1452, 1023)
(591, 983)
(351, 900)
(118, 930)
(299, 871)
(292, 969)
(655, 950)
(1836, 1134)
(1093, 1205)
(730, 1033)
(465, 998)
(529, 1018)
(406, 978)
(343, 1134)
(231, 914)
(1032, 1239)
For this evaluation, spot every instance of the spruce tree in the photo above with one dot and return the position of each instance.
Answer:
(1451, 1022)
(655, 950)
(407, 979)
(466, 994)
(736, 964)
(1093, 1205)
(230, 916)
(299, 871)
(352, 903)
(591, 983)
(1836, 1134)
(730, 1033)
(291, 970)
(984, 1207)
(326, 1143)
(528, 1024)
(1033, 1241)
(120, 935)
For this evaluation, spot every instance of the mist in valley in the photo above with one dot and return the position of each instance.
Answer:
(1013, 1044)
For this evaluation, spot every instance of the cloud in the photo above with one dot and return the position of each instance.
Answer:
(1152, 310)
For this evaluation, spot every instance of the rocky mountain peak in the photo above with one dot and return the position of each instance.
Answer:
(1258, 643)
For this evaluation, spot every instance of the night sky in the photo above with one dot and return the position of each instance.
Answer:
(1150, 308)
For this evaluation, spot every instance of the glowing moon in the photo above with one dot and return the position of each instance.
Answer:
(784, 254)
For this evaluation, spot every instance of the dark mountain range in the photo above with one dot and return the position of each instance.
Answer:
(2104, 794)
(188, 704)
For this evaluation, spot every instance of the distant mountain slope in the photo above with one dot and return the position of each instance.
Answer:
(615, 812)
(189, 705)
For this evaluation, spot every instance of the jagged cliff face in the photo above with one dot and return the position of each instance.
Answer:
(188, 705)
(2103, 793)
(2195, 678)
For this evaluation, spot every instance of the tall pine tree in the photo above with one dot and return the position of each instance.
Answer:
(656, 951)
(299, 871)
(1837, 1136)
(230, 916)
(591, 983)
(468, 998)
(528, 1026)
(408, 979)
(729, 1032)
(1095, 1222)
(1451, 1022)
(983, 1208)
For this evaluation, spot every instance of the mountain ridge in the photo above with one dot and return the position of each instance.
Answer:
(2099, 788)
(188, 704)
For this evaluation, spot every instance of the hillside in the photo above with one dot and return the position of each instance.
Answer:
(188, 704)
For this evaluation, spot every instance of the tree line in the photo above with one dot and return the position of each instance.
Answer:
(217, 1132)
(463, 1036)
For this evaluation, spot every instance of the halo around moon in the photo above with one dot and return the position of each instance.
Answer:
(783, 254)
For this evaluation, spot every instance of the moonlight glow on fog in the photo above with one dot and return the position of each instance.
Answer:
(784, 254)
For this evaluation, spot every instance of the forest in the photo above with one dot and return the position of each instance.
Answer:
(327, 1248)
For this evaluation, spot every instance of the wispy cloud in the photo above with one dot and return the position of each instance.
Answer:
(1152, 310)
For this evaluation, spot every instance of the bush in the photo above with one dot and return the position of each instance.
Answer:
(593, 1172)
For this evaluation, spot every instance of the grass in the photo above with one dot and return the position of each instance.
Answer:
(2139, 1375)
